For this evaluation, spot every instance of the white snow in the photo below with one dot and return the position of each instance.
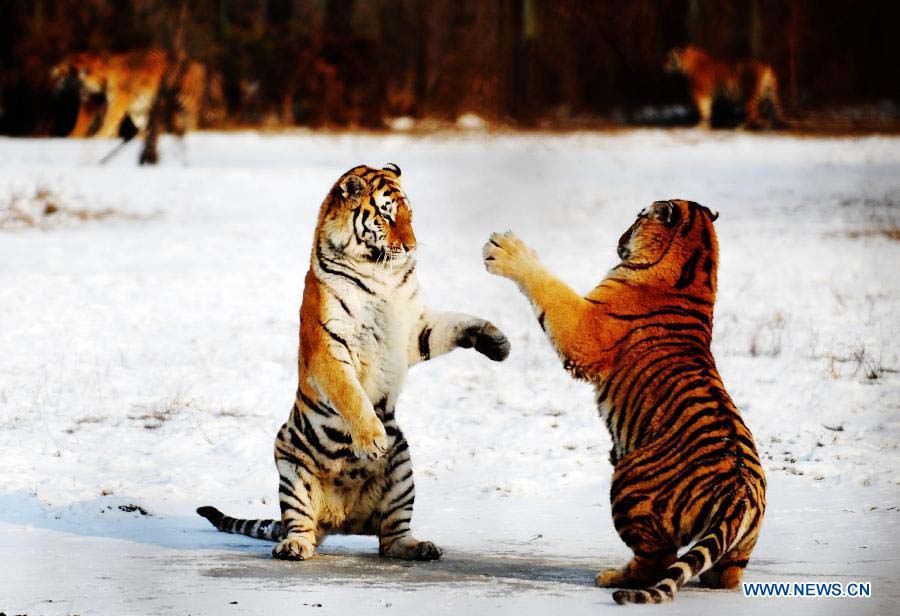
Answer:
(148, 357)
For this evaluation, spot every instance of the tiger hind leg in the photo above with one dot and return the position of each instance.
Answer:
(653, 551)
(724, 574)
(299, 521)
(755, 118)
(90, 115)
(395, 539)
(118, 105)
(704, 103)
(729, 569)
(639, 572)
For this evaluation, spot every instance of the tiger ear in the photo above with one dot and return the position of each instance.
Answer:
(393, 168)
(351, 187)
(664, 212)
(713, 216)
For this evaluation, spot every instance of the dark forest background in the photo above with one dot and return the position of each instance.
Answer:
(559, 63)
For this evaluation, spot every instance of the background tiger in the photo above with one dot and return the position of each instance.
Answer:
(343, 462)
(129, 83)
(751, 84)
(686, 467)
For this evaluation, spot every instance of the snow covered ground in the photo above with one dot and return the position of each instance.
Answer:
(148, 338)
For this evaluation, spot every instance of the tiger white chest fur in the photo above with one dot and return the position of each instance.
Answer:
(377, 325)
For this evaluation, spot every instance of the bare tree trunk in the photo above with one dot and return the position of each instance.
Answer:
(514, 44)
(287, 107)
(793, 48)
(756, 30)
(693, 20)
(421, 60)
(165, 105)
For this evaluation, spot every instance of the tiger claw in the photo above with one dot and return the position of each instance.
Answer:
(506, 255)
(370, 443)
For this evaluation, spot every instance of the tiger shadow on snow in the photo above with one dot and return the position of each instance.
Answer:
(117, 517)
(335, 564)
(339, 558)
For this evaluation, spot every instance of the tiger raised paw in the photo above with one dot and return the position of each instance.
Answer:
(506, 255)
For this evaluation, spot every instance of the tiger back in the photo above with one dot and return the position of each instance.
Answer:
(686, 470)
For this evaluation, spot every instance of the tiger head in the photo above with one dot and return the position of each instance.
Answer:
(672, 239)
(366, 216)
(85, 69)
(684, 59)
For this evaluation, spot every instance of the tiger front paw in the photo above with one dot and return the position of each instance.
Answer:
(508, 256)
(486, 338)
(368, 439)
(294, 548)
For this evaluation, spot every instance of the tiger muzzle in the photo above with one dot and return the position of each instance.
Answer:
(622, 249)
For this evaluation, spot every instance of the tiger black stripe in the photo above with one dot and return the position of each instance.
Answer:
(334, 271)
(341, 302)
(337, 338)
(424, 347)
(407, 275)
(688, 271)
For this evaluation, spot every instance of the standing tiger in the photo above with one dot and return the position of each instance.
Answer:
(686, 468)
(751, 84)
(129, 83)
(343, 462)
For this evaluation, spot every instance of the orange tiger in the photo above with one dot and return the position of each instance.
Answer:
(129, 82)
(686, 467)
(752, 84)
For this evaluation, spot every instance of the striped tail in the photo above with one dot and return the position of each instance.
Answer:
(703, 555)
(269, 530)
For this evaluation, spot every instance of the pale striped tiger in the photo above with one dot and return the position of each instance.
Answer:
(343, 462)
(686, 468)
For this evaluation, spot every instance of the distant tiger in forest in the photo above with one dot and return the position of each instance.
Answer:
(343, 462)
(129, 83)
(751, 84)
(686, 468)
